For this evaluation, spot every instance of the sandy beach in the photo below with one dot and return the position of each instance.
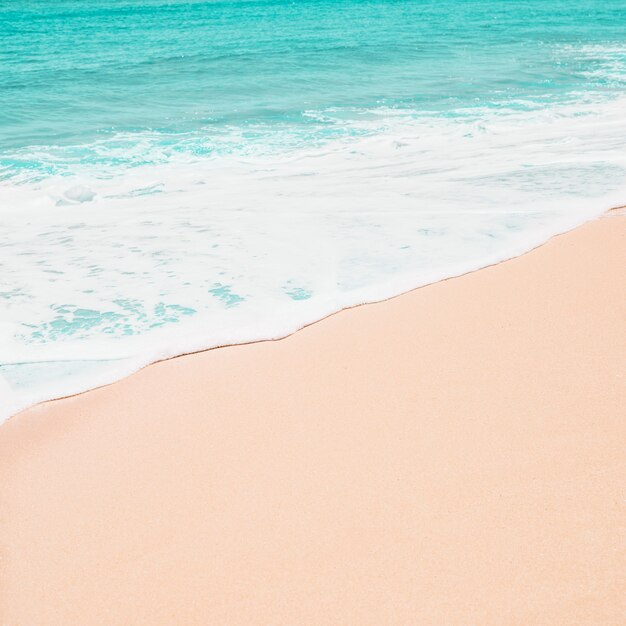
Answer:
(452, 456)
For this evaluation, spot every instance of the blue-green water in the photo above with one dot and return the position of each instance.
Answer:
(210, 171)
(76, 71)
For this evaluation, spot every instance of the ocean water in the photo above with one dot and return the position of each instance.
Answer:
(182, 174)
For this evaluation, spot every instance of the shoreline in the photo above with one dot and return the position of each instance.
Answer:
(448, 455)
(24, 407)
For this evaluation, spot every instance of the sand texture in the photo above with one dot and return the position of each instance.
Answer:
(456, 455)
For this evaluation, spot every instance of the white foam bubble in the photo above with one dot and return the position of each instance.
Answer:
(78, 194)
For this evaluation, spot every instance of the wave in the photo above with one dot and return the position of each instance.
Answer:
(109, 266)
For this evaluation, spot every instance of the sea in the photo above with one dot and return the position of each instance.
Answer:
(177, 175)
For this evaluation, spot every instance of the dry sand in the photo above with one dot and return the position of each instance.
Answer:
(456, 455)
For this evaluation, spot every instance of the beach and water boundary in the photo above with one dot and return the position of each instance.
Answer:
(14, 407)
(165, 190)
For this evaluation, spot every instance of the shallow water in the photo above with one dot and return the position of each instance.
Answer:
(178, 175)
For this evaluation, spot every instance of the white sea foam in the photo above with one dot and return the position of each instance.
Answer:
(105, 271)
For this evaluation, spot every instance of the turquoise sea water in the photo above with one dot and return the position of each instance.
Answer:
(79, 71)
(180, 174)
